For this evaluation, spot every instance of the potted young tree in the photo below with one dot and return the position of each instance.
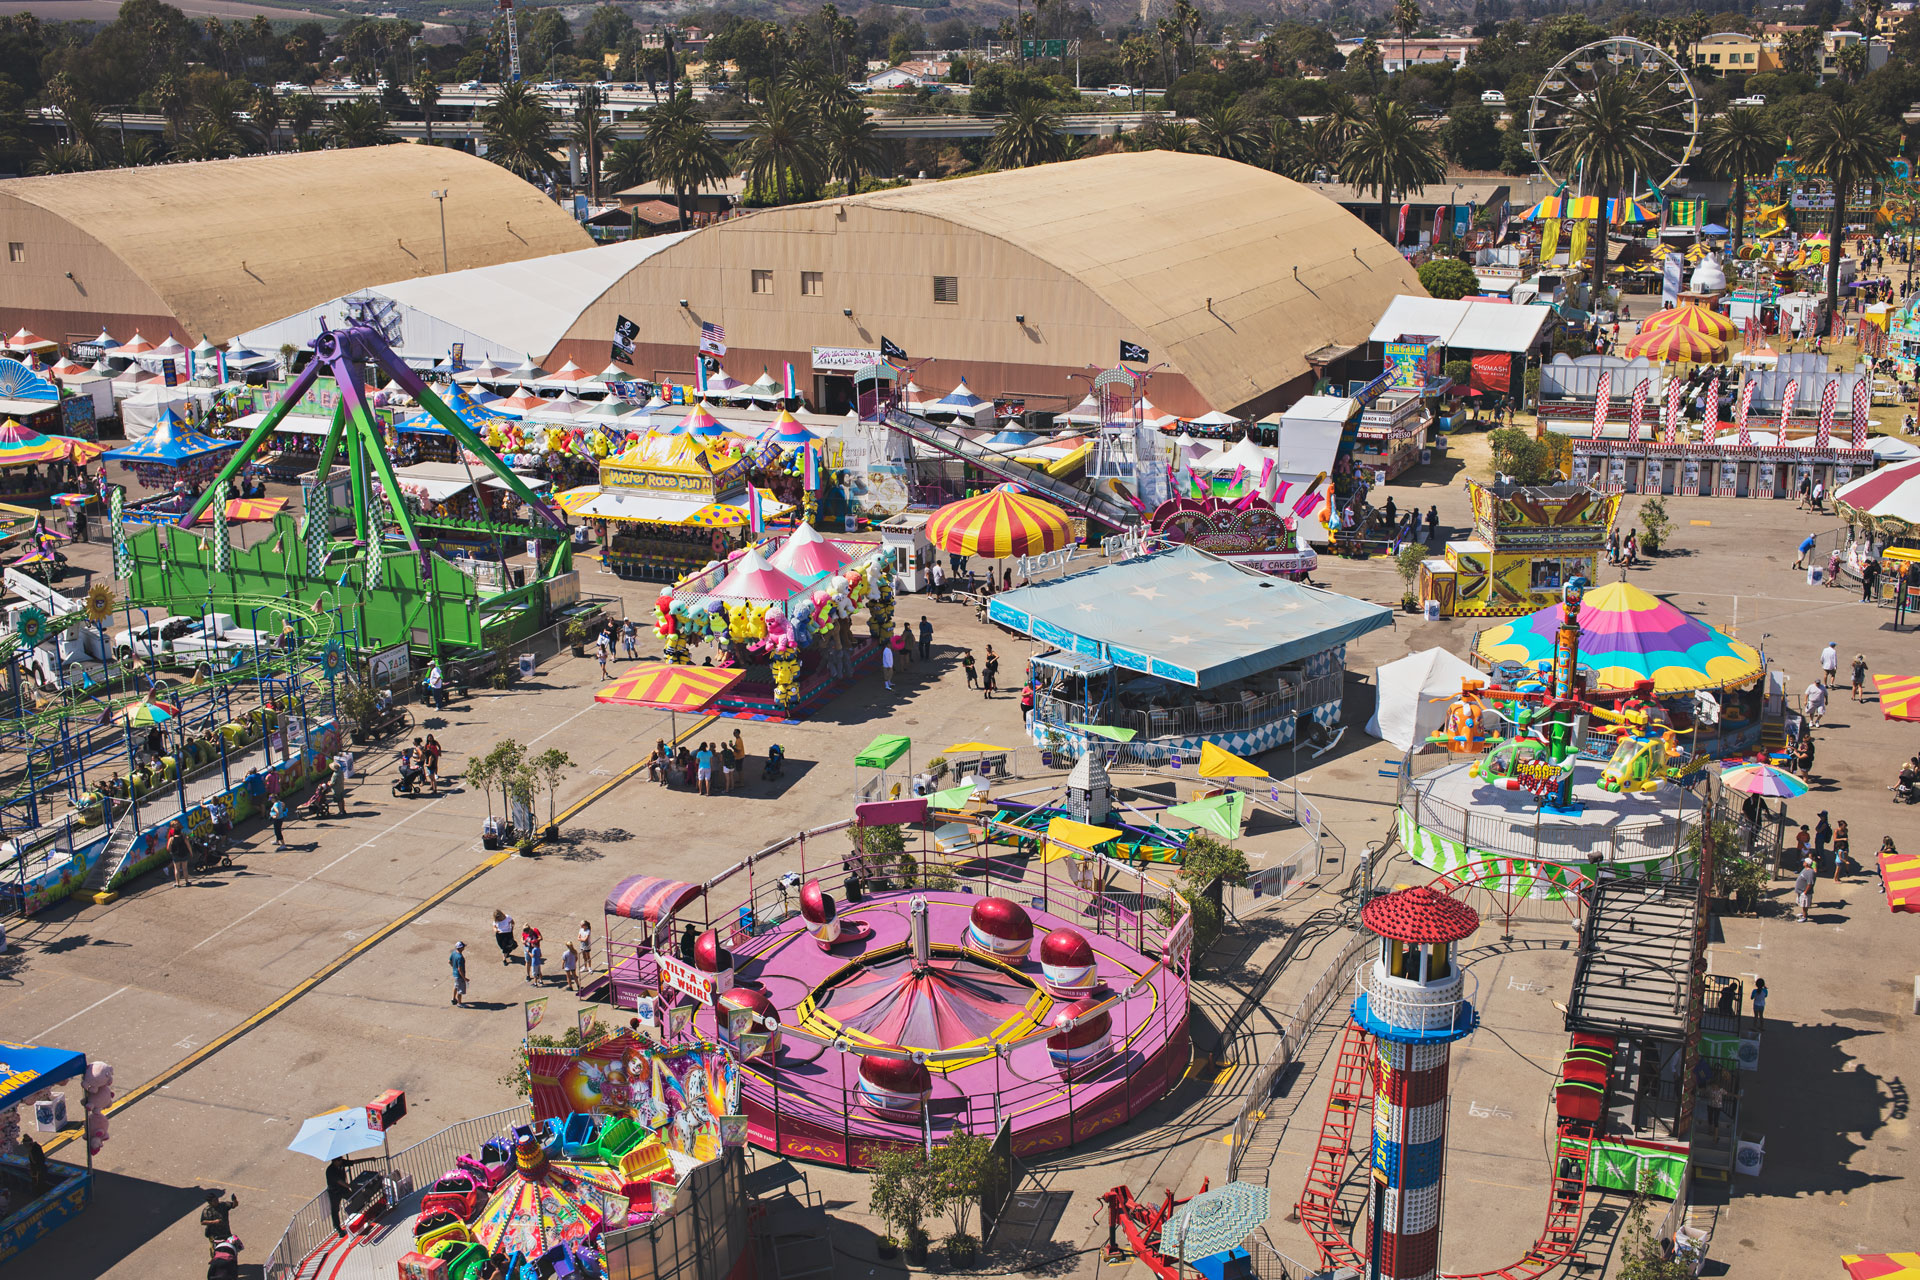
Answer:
(1406, 562)
(479, 773)
(359, 705)
(522, 782)
(580, 634)
(960, 1169)
(898, 1197)
(552, 765)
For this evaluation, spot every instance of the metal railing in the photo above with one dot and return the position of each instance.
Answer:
(422, 1162)
(1326, 989)
(700, 1237)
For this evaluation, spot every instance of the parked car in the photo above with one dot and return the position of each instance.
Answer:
(1493, 98)
(1751, 100)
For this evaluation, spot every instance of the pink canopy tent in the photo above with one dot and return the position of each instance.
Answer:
(807, 553)
(753, 577)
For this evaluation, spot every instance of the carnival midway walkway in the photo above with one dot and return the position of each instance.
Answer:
(315, 978)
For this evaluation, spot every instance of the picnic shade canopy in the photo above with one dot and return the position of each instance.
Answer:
(1628, 635)
(1004, 521)
(670, 686)
(1888, 498)
(650, 899)
(171, 443)
(1677, 342)
(147, 712)
(26, 1069)
(1899, 696)
(337, 1133)
(1214, 1221)
(882, 751)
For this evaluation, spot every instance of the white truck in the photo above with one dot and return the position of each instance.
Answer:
(216, 636)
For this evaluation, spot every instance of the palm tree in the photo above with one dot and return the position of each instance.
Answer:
(625, 164)
(1406, 20)
(141, 149)
(1168, 33)
(266, 112)
(1608, 140)
(519, 130)
(1283, 149)
(63, 157)
(1173, 135)
(850, 141)
(681, 152)
(1136, 55)
(1228, 132)
(781, 143)
(426, 92)
(1027, 135)
(1739, 145)
(205, 139)
(590, 132)
(302, 110)
(1391, 153)
(1850, 144)
(358, 122)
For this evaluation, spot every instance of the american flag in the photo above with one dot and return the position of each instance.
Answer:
(1741, 408)
(1674, 388)
(713, 338)
(1786, 406)
(1602, 394)
(1829, 398)
(1637, 412)
(1862, 401)
(1712, 422)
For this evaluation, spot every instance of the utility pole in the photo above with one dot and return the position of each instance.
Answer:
(441, 196)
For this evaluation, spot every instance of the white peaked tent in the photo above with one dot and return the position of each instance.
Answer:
(1412, 693)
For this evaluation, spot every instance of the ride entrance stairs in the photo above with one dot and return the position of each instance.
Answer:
(1109, 511)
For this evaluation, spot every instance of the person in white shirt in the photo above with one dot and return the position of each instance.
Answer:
(1829, 663)
(1814, 703)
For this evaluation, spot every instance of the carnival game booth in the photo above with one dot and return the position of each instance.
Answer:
(874, 1004)
(40, 1194)
(173, 454)
(1528, 542)
(1184, 649)
(802, 614)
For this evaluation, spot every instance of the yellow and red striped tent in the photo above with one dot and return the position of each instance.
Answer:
(670, 686)
(1004, 521)
(1900, 872)
(1899, 696)
(1882, 1266)
(240, 510)
(1693, 316)
(1678, 343)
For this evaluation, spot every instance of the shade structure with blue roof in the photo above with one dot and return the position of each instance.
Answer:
(1186, 617)
(465, 405)
(959, 400)
(171, 443)
(26, 1069)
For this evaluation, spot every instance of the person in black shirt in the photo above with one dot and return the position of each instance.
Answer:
(215, 1219)
(339, 1184)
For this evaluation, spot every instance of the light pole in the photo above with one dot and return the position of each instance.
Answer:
(441, 196)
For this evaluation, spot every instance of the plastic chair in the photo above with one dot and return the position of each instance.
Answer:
(578, 1137)
(618, 1138)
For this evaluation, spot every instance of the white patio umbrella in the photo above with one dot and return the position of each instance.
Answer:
(336, 1133)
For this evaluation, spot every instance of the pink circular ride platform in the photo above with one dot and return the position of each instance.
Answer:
(979, 1022)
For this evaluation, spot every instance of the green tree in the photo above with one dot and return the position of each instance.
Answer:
(1283, 149)
(426, 92)
(590, 134)
(1471, 136)
(1516, 453)
(850, 144)
(303, 109)
(781, 143)
(1849, 144)
(681, 152)
(1228, 132)
(1406, 20)
(204, 140)
(625, 164)
(551, 766)
(1390, 153)
(1448, 278)
(1740, 144)
(357, 122)
(1028, 135)
(1609, 140)
(63, 157)
(519, 129)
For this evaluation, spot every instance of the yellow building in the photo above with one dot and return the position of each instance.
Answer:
(1734, 51)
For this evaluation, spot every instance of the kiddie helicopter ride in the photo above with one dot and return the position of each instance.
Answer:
(1553, 781)
(904, 1008)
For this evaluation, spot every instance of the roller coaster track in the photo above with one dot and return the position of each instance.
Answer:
(1330, 1226)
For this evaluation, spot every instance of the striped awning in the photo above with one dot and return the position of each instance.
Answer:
(650, 898)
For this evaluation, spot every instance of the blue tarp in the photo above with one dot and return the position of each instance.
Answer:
(171, 443)
(26, 1069)
(1184, 616)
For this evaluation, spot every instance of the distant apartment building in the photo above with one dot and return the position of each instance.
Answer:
(1734, 51)
(1430, 49)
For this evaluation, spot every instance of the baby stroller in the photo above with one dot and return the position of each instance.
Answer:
(776, 763)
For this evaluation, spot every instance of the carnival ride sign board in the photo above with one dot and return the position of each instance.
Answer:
(695, 982)
(1410, 361)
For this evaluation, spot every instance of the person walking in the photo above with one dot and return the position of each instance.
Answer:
(1859, 675)
(990, 674)
(503, 935)
(603, 649)
(1830, 663)
(457, 961)
(1803, 885)
(886, 663)
(437, 686)
(1869, 579)
(1842, 848)
(277, 814)
(585, 937)
(339, 782)
(966, 665)
(926, 639)
(1633, 547)
(1814, 704)
(1433, 523)
(937, 574)
(570, 968)
(430, 762)
(1759, 1002)
(739, 757)
(1715, 1098)
(530, 945)
(630, 639)
(1806, 549)
(180, 854)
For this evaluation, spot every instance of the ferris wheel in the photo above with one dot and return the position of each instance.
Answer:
(1651, 73)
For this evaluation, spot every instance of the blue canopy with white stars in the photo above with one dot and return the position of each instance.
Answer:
(1187, 617)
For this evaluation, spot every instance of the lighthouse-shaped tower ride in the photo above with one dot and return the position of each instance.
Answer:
(1412, 1004)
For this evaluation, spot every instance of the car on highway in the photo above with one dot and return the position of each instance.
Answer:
(629, 88)
(1751, 100)
(1119, 91)
(473, 86)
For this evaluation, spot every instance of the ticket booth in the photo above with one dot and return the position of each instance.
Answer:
(1654, 476)
(1766, 480)
(1690, 477)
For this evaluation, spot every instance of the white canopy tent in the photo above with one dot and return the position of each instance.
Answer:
(1411, 695)
(1464, 324)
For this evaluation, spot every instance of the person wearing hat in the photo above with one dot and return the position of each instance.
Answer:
(457, 961)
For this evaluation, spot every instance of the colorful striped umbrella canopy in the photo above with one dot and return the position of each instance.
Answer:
(146, 712)
(81, 452)
(544, 1203)
(1563, 207)
(1676, 342)
(1004, 521)
(1882, 1266)
(22, 446)
(1626, 636)
(240, 510)
(39, 555)
(1693, 316)
(1631, 212)
(72, 499)
(650, 898)
(1900, 873)
(953, 1003)
(1215, 1221)
(1763, 780)
(1899, 696)
(1890, 495)
(671, 686)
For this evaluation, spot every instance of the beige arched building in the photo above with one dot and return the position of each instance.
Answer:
(222, 246)
(1234, 278)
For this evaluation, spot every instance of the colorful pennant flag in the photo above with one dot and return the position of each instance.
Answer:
(1742, 407)
(756, 520)
(1862, 402)
(1829, 399)
(1637, 411)
(1674, 388)
(1601, 398)
(1786, 406)
(1711, 426)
